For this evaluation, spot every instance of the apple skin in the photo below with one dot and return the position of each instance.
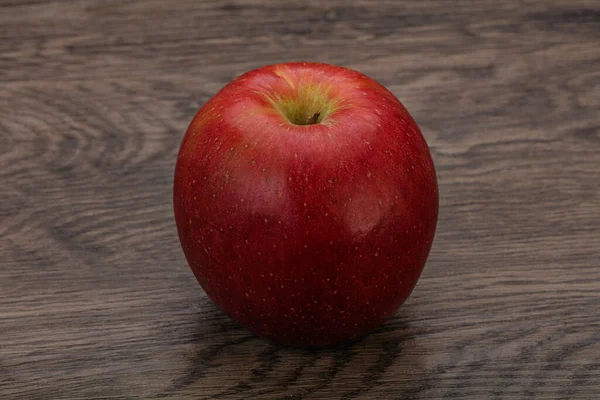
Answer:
(313, 234)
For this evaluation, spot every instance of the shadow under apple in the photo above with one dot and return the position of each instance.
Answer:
(225, 360)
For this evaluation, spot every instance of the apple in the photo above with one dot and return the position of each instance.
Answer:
(306, 202)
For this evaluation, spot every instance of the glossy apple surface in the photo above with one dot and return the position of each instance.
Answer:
(306, 202)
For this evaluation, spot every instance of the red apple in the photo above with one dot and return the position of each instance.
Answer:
(306, 202)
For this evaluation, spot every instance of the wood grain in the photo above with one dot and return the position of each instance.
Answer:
(96, 300)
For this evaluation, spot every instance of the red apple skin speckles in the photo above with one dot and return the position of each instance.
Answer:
(305, 234)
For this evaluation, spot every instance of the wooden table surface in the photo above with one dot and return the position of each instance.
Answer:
(96, 299)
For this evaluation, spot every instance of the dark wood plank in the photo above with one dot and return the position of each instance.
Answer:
(96, 300)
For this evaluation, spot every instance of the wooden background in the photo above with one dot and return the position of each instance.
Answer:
(96, 299)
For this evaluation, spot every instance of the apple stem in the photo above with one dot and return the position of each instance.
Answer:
(313, 120)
